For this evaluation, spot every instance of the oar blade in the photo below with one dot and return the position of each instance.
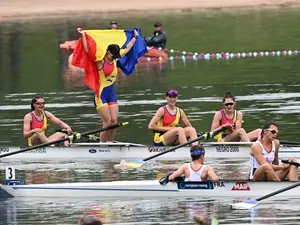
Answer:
(249, 204)
(129, 165)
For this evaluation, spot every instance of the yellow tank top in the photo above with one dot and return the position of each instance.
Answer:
(219, 137)
(168, 120)
(35, 123)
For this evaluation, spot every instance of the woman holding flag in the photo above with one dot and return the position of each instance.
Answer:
(99, 53)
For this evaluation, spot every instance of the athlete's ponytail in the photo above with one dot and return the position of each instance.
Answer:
(228, 95)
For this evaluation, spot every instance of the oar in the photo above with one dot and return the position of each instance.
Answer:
(203, 136)
(291, 163)
(71, 137)
(254, 202)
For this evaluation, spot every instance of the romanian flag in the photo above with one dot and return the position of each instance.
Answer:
(98, 41)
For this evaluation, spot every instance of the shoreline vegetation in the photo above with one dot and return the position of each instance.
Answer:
(47, 9)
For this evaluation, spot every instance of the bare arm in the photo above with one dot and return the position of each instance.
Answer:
(216, 121)
(131, 43)
(153, 122)
(177, 173)
(239, 120)
(80, 31)
(184, 119)
(211, 174)
(256, 152)
(276, 160)
(58, 122)
(26, 127)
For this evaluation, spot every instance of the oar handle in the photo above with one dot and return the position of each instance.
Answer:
(291, 163)
(203, 136)
(71, 137)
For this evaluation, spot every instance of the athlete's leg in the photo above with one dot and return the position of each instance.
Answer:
(254, 135)
(265, 172)
(190, 133)
(291, 171)
(103, 111)
(57, 136)
(174, 136)
(38, 138)
(104, 114)
(237, 135)
(114, 112)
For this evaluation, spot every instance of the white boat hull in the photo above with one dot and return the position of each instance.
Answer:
(150, 189)
(129, 151)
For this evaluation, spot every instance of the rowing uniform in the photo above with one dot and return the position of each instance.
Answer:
(195, 175)
(35, 123)
(269, 157)
(107, 78)
(167, 120)
(220, 137)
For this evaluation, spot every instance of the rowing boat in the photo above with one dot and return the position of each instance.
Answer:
(152, 188)
(129, 151)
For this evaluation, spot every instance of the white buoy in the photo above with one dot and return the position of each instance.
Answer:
(184, 52)
(243, 54)
(171, 50)
(254, 54)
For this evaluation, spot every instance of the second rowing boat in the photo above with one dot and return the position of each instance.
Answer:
(130, 151)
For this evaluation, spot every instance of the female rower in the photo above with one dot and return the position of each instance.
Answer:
(106, 103)
(35, 124)
(165, 121)
(231, 120)
(264, 158)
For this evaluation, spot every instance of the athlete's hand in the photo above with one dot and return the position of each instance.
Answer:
(285, 166)
(69, 130)
(37, 130)
(292, 160)
(135, 33)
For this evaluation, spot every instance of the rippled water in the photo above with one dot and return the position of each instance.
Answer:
(266, 88)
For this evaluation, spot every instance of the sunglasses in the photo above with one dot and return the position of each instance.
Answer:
(172, 92)
(40, 103)
(229, 104)
(273, 131)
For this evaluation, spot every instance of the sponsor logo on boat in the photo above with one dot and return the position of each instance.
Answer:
(37, 151)
(4, 150)
(92, 151)
(227, 149)
(158, 149)
(196, 185)
(241, 186)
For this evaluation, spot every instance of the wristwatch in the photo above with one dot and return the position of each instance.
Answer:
(136, 36)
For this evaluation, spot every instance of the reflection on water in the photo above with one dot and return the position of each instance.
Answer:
(266, 88)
